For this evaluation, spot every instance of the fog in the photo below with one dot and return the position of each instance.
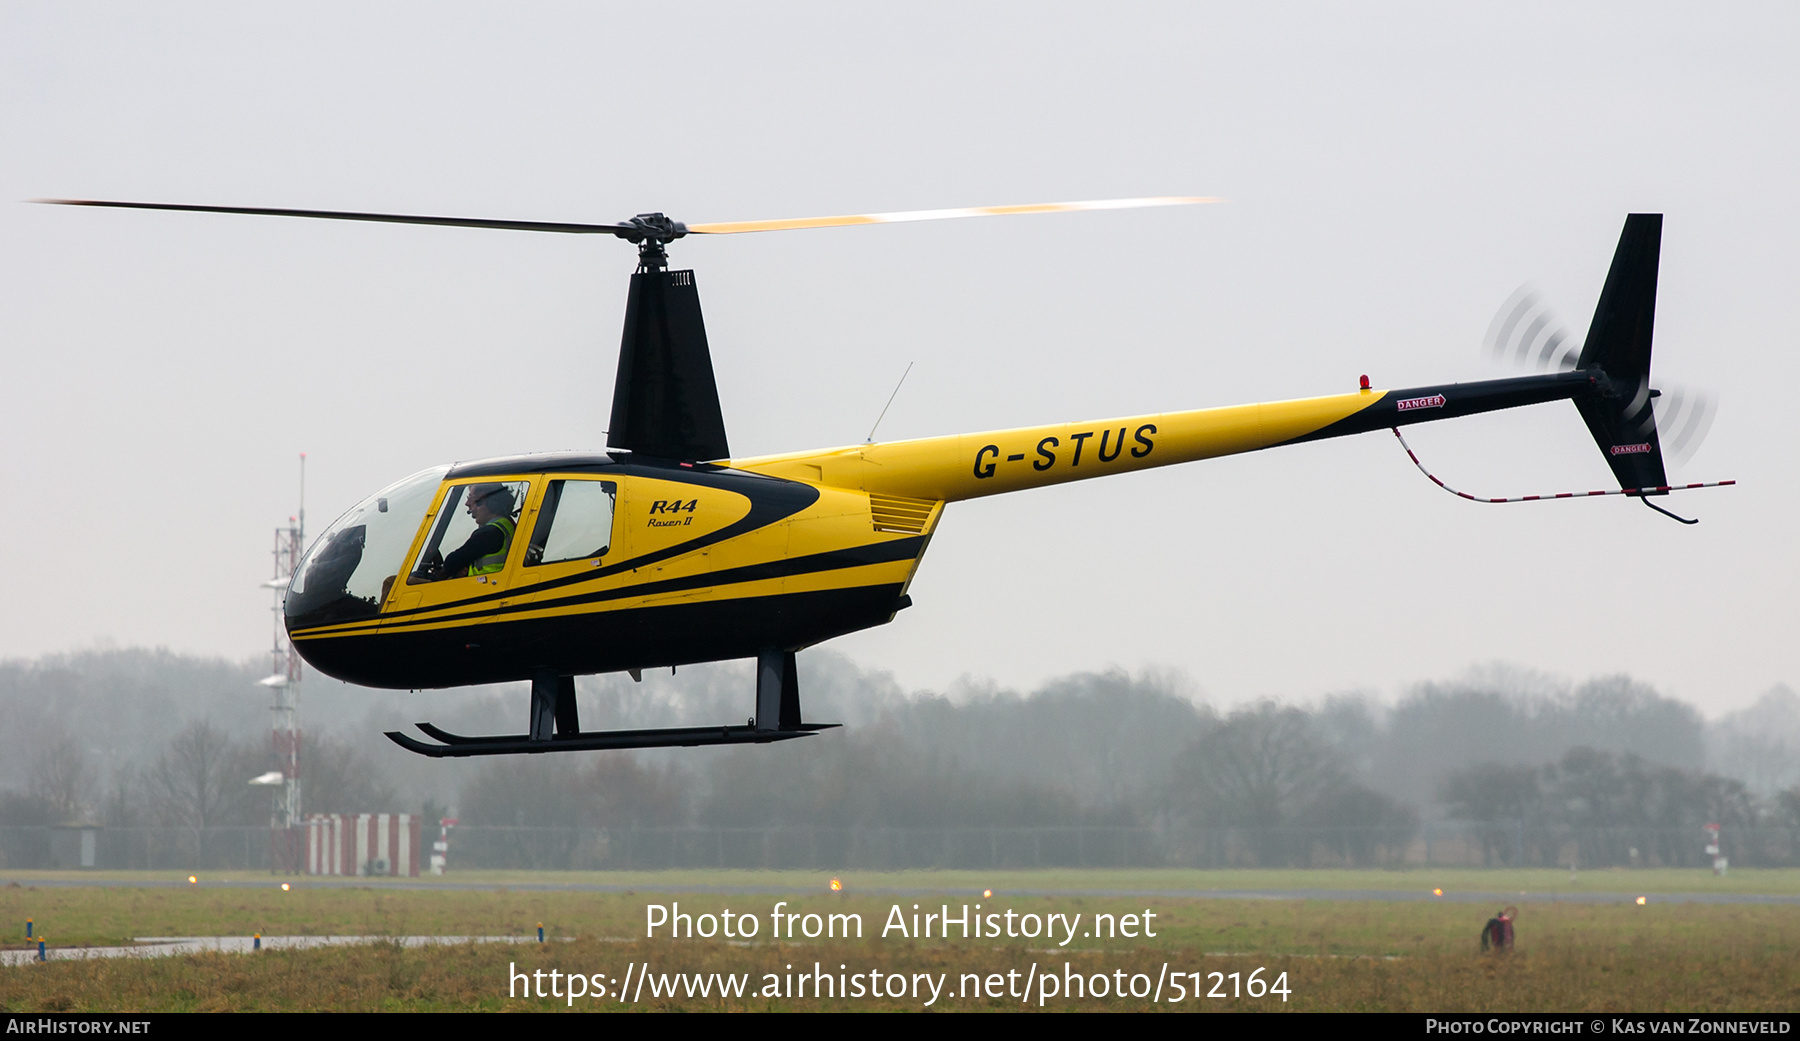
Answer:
(101, 735)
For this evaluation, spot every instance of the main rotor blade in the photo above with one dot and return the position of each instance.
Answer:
(794, 223)
(386, 218)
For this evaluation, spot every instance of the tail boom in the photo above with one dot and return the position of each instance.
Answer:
(968, 466)
(1610, 386)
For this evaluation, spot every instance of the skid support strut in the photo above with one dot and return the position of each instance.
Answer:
(777, 692)
(553, 706)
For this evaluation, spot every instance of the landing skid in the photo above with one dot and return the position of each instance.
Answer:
(458, 745)
(556, 727)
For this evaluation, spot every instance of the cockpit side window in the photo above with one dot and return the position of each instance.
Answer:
(574, 523)
(473, 533)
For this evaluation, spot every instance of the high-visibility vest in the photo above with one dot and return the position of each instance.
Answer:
(496, 560)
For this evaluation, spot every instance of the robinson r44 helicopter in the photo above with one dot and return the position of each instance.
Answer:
(664, 550)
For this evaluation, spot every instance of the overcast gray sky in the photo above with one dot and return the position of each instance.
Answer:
(1393, 173)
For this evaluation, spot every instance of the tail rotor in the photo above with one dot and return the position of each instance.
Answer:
(1637, 427)
(1527, 334)
(1684, 416)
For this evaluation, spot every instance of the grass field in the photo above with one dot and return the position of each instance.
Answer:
(1337, 954)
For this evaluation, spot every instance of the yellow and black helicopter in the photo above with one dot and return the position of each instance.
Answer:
(665, 550)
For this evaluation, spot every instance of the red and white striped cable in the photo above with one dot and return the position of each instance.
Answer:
(1558, 495)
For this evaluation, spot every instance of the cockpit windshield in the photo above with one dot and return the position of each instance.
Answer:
(350, 568)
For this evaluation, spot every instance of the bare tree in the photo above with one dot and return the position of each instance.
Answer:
(1787, 807)
(1618, 714)
(123, 804)
(1500, 798)
(341, 778)
(201, 781)
(1261, 768)
(1759, 745)
(63, 777)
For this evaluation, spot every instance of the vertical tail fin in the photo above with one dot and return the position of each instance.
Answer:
(1618, 344)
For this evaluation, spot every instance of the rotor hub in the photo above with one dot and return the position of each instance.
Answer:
(651, 232)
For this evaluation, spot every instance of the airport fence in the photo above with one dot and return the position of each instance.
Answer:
(1441, 843)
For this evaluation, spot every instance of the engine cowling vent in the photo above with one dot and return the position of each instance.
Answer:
(900, 515)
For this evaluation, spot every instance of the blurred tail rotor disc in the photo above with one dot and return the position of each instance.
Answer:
(1526, 333)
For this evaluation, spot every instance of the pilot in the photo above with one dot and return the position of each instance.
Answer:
(485, 551)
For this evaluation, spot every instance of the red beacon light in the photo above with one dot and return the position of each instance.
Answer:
(1365, 383)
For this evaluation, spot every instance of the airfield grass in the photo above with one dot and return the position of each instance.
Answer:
(1338, 954)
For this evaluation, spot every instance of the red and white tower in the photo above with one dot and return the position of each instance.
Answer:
(287, 844)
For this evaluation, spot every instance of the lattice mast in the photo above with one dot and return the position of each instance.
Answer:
(284, 678)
